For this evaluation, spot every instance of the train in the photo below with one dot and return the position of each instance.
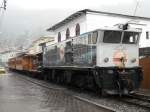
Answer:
(105, 60)
(25, 63)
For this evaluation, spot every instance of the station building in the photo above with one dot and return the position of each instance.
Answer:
(36, 48)
(87, 20)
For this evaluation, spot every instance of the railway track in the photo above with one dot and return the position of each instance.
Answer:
(138, 100)
(102, 108)
(140, 97)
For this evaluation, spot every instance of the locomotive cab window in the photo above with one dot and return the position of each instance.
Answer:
(59, 37)
(92, 38)
(130, 38)
(112, 37)
(89, 39)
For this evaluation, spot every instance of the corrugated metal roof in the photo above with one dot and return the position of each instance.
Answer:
(81, 12)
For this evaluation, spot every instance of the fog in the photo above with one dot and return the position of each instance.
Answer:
(26, 20)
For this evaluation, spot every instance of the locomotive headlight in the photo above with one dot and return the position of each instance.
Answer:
(133, 60)
(106, 60)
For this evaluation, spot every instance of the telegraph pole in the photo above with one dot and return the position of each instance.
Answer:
(4, 4)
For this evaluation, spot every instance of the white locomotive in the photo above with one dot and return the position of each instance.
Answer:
(105, 60)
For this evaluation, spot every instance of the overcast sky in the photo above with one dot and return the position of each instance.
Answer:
(107, 5)
(24, 19)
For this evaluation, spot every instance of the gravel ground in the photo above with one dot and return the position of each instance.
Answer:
(115, 104)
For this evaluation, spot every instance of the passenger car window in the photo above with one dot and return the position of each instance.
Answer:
(130, 38)
(112, 37)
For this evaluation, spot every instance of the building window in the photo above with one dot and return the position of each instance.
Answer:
(77, 30)
(147, 35)
(59, 37)
(67, 33)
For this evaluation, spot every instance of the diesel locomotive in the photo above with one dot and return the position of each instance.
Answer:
(104, 60)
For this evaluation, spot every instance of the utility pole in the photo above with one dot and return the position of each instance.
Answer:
(4, 4)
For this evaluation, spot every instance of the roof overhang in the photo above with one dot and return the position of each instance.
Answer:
(67, 20)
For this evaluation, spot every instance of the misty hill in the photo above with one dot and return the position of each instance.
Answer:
(21, 26)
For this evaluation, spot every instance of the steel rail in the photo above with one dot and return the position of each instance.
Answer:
(136, 101)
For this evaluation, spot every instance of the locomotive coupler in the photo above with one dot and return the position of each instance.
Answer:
(123, 82)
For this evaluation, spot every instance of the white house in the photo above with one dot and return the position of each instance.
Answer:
(87, 20)
(35, 47)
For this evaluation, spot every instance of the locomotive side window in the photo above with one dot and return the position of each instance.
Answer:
(89, 39)
(59, 37)
(94, 37)
(112, 37)
(130, 38)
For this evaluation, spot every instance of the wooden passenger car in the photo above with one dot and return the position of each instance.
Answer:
(30, 63)
(12, 63)
(26, 63)
(19, 63)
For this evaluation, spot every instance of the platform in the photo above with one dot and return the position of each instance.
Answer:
(18, 95)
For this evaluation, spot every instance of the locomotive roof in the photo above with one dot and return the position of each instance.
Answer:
(102, 29)
(81, 12)
(118, 29)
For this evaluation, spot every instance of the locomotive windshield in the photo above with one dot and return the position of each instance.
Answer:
(130, 38)
(115, 37)
(112, 37)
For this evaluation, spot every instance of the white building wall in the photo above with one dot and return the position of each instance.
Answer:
(144, 42)
(97, 20)
(71, 25)
(92, 21)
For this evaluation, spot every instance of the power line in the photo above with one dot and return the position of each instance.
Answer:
(136, 7)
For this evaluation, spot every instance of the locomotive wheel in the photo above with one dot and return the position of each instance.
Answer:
(103, 93)
(45, 77)
(79, 80)
(57, 79)
(90, 82)
(67, 77)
